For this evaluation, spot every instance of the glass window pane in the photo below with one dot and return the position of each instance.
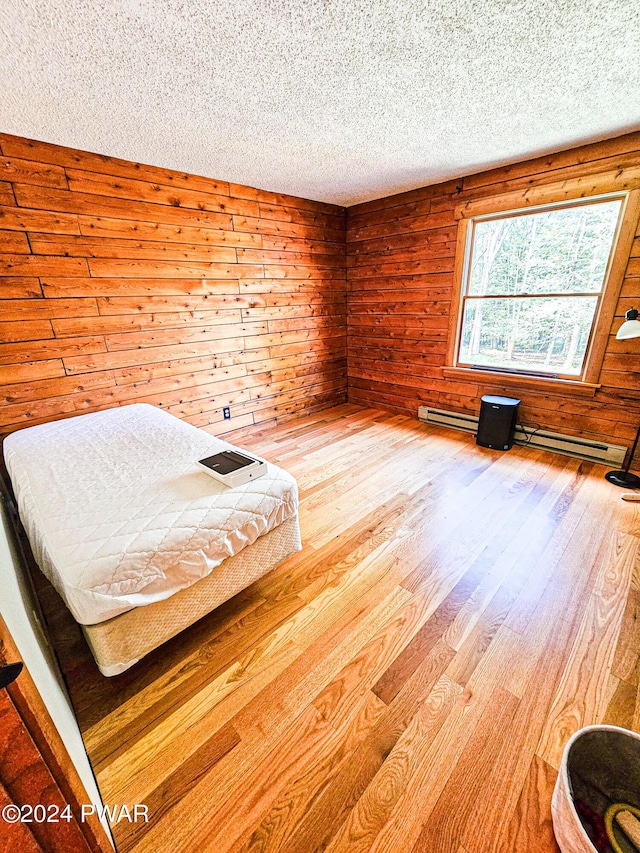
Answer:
(565, 250)
(547, 335)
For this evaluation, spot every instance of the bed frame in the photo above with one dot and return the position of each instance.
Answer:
(120, 642)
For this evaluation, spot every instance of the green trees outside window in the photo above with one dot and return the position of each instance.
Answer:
(532, 286)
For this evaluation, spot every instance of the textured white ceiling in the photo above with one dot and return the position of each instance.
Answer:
(337, 100)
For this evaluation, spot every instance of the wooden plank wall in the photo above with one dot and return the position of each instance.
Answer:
(121, 282)
(124, 283)
(400, 255)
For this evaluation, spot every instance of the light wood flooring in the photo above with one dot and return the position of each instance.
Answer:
(405, 683)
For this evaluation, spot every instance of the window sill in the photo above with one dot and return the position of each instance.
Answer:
(513, 380)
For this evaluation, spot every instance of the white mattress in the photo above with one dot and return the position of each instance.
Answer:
(118, 515)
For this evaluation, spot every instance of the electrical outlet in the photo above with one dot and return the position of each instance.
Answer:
(226, 412)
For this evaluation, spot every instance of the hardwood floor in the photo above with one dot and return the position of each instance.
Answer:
(408, 680)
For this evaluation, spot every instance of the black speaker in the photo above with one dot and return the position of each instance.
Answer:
(497, 422)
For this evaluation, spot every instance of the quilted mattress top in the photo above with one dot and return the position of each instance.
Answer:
(118, 515)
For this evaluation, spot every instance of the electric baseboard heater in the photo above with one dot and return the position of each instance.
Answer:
(555, 442)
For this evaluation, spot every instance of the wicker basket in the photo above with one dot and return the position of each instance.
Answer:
(600, 767)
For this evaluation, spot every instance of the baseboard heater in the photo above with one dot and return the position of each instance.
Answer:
(556, 442)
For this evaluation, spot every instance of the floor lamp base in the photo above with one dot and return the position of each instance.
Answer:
(623, 478)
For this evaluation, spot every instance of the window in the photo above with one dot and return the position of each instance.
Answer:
(532, 286)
